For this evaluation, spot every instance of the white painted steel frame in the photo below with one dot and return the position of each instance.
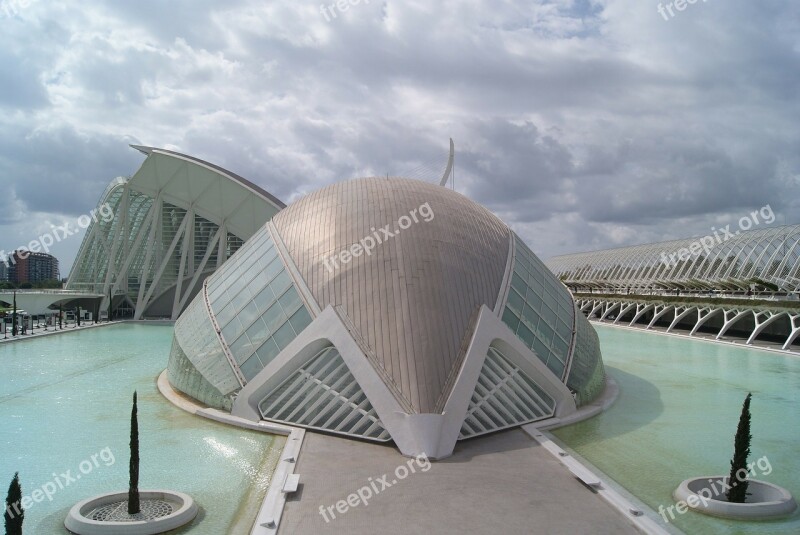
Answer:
(771, 255)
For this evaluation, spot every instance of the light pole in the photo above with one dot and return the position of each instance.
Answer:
(14, 316)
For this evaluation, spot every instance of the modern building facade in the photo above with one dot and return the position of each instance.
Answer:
(158, 234)
(387, 309)
(765, 258)
(27, 266)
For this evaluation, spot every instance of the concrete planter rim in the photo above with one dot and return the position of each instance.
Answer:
(771, 501)
(77, 523)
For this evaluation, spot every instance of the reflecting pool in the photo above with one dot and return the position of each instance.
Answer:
(65, 404)
(677, 414)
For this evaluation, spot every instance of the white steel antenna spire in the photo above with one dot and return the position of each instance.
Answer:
(449, 171)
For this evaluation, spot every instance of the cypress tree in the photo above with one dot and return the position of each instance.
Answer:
(14, 514)
(133, 489)
(737, 493)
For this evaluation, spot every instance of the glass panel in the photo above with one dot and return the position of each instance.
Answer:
(281, 282)
(232, 330)
(545, 333)
(269, 255)
(530, 316)
(515, 301)
(548, 315)
(300, 320)
(517, 283)
(534, 299)
(290, 301)
(510, 319)
(225, 315)
(284, 335)
(241, 299)
(556, 366)
(274, 317)
(525, 334)
(259, 281)
(540, 349)
(248, 315)
(550, 299)
(251, 368)
(265, 298)
(258, 332)
(242, 348)
(268, 351)
(273, 269)
(560, 348)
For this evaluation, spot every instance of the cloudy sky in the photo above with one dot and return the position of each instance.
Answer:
(583, 124)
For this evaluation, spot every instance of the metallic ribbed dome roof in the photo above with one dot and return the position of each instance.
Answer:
(412, 298)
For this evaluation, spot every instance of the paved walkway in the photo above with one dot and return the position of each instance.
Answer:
(505, 483)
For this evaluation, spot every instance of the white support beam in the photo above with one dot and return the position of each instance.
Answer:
(703, 318)
(641, 310)
(679, 316)
(761, 325)
(736, 316)
(627, 308)
(165, 261)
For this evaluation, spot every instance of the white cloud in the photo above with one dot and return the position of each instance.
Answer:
(583, 123)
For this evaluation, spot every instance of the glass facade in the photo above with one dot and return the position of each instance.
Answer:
(540, 310)
(587, 373)
(256, 305)
(123, 245)
(184, 376)
(197, 364)
(258, 311)
(155, 236)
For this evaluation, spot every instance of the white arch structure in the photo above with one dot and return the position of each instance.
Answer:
(174, 223)
(770, 256)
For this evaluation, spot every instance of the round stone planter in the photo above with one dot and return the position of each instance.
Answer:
(107, 514)
(706, 495)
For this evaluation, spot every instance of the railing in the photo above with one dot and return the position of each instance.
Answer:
(52, 292)
(716, 294)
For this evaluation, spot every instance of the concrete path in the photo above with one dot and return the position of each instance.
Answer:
(504, 483)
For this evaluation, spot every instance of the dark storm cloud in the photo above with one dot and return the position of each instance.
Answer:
(62, 172)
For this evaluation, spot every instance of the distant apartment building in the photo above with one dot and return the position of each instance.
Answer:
(24, 266)
(3, 270)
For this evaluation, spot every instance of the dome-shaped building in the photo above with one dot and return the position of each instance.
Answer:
(387, 309)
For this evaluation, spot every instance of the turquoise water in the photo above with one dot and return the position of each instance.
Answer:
(65, 405)
(677, 414)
